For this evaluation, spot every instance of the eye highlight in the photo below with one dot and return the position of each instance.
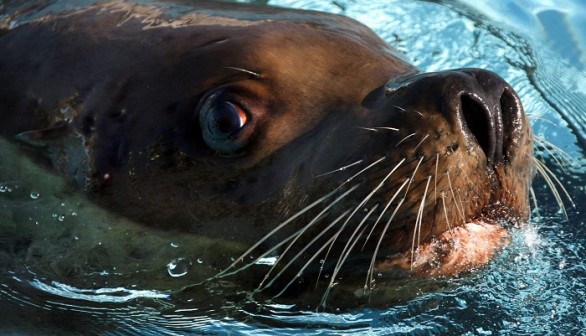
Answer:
(225, 119)
(222, 121)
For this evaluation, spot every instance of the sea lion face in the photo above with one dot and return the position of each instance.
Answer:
(301, 136)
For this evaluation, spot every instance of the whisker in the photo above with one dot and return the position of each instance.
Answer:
(372, 129)
(307, 246)
(369, 196)
(446, 210)
(421, 114)
(345, 253)
(386, 207)
(328, 243)
(351, 238)
(370, 271)
(534, 198)
(254, 74)
(387, 128)
(551, 180)
(359, 206)
(460, 211)
(420, 142)
(419, 222)
(405, 138)
(413, 175)
(560, 158)
(360, 172)
(377, 129)
(339, 169)
(435, 178)
(534, 118)
(272, 232)
(300, 232)
(399, 108)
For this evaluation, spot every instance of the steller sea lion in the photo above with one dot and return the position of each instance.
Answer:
(300, 134)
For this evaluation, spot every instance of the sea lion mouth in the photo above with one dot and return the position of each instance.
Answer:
(460, 249)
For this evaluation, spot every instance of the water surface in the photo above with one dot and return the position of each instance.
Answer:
(536, 286)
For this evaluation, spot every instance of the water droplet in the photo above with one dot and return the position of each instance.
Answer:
(199, 261)
(178, 267)
(35, 195)
(74, 214)
(3, 188)
(269, 261)
(174, 245)
(61, 218)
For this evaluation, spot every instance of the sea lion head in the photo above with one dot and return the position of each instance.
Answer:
(300, 134)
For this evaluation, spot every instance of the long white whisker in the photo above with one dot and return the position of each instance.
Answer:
(413, 175)
(384, 210)
(271, 233)
(362, 171)
(558, 182)
(329, 243)
(365, 200)
(420, 142)
(370, 271)
(551, 181)
(339, 169)
(534, 198)
(345, 253)
(372, 129)
(435, 178)
(446, 209)
(387, 128)
(405, 138)
(307, 246)
(460, 211)
(560, 157)
(304, 228)
(419, 221)
(377, 129)
(254, 74)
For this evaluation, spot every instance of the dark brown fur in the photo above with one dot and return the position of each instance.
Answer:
(111, 94)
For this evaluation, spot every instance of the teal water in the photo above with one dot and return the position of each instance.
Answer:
(536, 286)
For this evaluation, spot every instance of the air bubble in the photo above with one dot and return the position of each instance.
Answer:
(35, 195)
(178, 267)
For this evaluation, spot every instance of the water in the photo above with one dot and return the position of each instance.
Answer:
(536, 286)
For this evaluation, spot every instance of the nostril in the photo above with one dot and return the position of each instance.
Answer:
(477, 120)
(512, 120)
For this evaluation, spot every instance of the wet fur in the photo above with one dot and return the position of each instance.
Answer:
(368, 180)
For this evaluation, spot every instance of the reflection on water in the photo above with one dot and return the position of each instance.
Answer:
(537, 285)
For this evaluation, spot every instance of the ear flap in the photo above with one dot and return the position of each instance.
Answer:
(63, 146)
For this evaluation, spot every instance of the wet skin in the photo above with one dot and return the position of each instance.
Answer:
(232, 121)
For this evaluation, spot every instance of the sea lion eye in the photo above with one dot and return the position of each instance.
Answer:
(221, 122)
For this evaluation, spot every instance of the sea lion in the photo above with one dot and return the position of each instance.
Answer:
(300, 134)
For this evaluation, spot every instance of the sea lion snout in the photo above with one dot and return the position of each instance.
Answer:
(476, 103)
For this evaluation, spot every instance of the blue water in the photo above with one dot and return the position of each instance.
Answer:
(537, 286)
